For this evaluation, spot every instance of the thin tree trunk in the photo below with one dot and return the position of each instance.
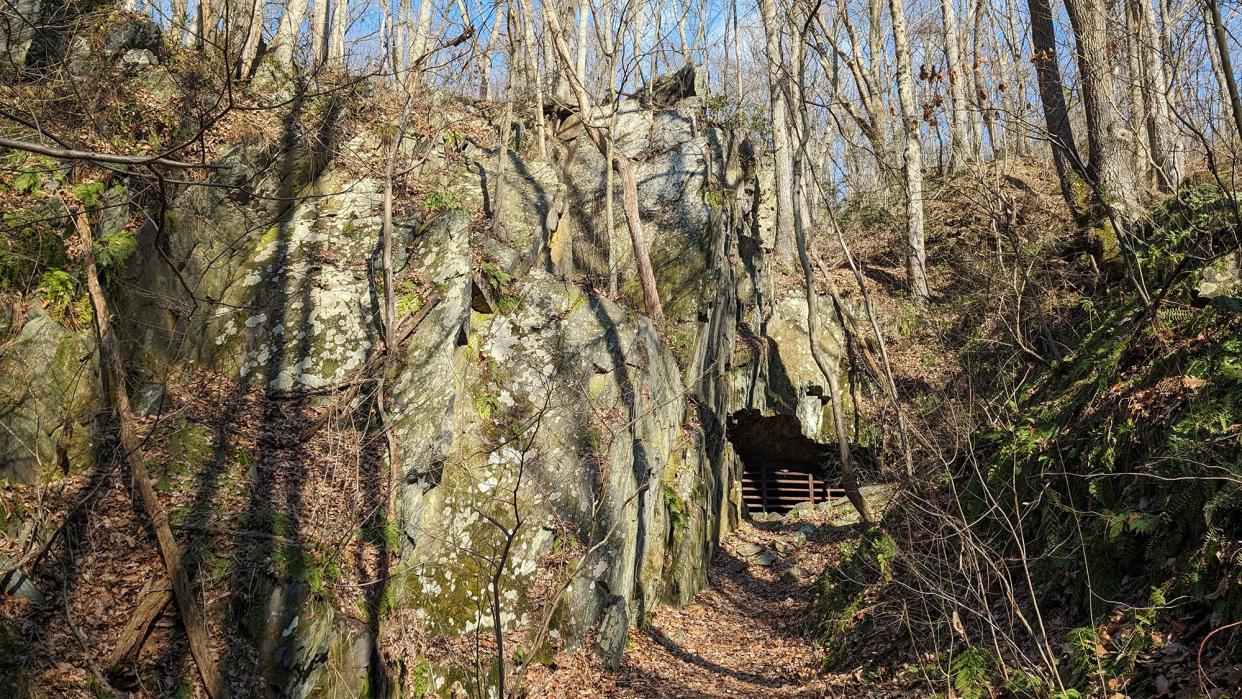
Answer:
(386, 36)
(250, 45)
(1018, 93)
(336, 45)
(610, 188)
(783, 243)
(848, 480)
(1143, 157)
(974, 87)
(419, 44)
(192, 616)
(1161, 131)
(1226, 63)
(737, 52)
(802, 221)
(506, 125)
(532, 64)
(583, 38)
(916, 256)
(204, 14)
(957, 95)
(625, 170)
(319, 32)
(404, 53)
(485, 60)
(1052, 96)
(180, 16)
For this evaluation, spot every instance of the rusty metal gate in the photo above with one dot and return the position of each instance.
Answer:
(777, 487)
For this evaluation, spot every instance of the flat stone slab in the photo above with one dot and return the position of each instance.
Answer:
(747, 549)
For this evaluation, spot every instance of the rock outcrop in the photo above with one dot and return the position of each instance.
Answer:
(562, 464)
(49, 395)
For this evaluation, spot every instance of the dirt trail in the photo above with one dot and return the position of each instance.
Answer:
(741, 637)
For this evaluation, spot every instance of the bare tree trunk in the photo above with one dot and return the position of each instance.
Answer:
(204, 23)
(625, 170)
(340, 22)
(319, 32)
(250, 45)
(737, 53)
(1226, 63)
(957, 95)
(777, 79)
(848, 480)
(419, 43)
(404, 53)
(1052, 96)
(1107, 137)
(535, 74)
(1161, 130)
(583, 37)
(916, 256)
(1018, 98)
(974, 87)
(802, 222)
(610, 189)
(180, 17)
(506, 125)
(1142, 155)
(187, 601)
(287, 31)
(485, 59)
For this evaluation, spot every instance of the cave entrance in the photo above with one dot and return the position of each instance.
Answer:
(782, 467)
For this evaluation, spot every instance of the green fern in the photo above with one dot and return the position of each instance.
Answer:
(970, 670)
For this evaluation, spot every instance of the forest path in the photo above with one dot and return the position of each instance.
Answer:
(743, 636)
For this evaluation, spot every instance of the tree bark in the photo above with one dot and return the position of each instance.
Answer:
(336, 44)
(916, 256)
(1052, 97)
(802, 222)
(535, 75)
(1161, 130)
(250, 44)
(418, 45)
(957, 94)
(319, 32)
(582, 39)
(180, 17)
(777, 88)
(1226, 63)
(1108, 139)
(506, 125)
(187, 601)
(286, 37)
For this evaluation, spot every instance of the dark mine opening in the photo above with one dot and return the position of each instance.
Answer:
(782, 467)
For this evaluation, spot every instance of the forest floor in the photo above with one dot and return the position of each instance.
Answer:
(744, 636)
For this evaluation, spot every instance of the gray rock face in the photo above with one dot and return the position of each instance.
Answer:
(548, 434)
(575, 415)
(1222, 280)
(309, 650)
(49, 394)
(135, 61)
(135, 35)
(18, 20)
